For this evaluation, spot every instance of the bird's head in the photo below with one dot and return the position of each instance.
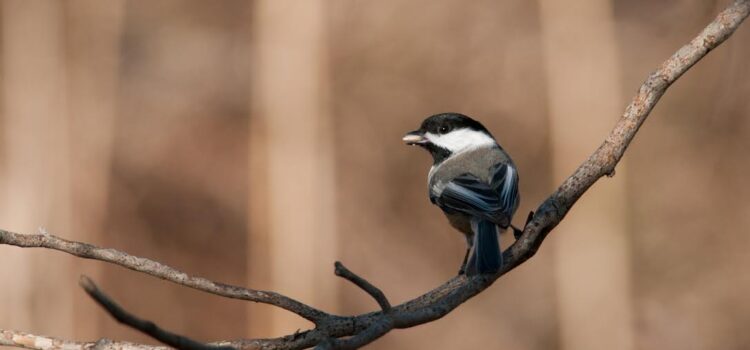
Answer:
(446, 134)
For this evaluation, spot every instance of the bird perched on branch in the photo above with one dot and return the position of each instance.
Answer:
(473, 181)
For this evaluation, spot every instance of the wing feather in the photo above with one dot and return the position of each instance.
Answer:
(495, 201)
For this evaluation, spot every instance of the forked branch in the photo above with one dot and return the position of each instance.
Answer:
(339, 332)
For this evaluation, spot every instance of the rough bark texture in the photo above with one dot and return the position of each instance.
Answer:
(339, 332)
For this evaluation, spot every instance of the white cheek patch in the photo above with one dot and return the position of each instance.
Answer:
(461, 140)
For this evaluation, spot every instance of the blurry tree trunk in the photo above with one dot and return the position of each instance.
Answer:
(93, 31)
(36, 165)
(293, 243)
(592, 248)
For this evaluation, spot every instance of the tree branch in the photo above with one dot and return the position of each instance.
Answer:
(38, 342)
(146, 327)
(341, 271)
(339, 332)
(157, 269)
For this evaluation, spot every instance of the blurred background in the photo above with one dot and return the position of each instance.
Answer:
(256, 142)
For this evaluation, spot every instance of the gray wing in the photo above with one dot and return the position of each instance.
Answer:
(505, 182)
(496, 201)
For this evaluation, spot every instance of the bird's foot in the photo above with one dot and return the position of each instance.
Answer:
(518, 232)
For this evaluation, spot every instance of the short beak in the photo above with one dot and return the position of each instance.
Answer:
(414, 138)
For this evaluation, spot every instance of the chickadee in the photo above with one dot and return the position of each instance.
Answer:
(473, 181)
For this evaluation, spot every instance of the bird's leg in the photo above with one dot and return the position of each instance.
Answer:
(518, 232)
(462, 270)
(528, 218)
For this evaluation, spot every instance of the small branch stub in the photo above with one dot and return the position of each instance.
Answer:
(341, 271)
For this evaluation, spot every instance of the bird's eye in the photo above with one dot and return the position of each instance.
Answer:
(444, 129)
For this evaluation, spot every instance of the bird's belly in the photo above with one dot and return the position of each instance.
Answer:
(461, 222)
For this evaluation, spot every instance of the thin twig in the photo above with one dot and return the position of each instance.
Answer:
(375, 330)
(157, 269)
(40, 342)
(147, 327)
(341, 271)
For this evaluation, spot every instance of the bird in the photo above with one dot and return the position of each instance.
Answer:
(475, 183)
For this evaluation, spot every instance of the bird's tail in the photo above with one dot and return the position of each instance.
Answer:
(486, 256)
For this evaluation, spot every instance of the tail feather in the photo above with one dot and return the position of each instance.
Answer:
(486, 256)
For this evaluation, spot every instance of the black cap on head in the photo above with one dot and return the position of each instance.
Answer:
(444, 123)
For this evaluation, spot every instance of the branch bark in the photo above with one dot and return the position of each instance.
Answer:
(38, 342)
(341, 271)
(350, 332)
(146, 327)
(157, 269)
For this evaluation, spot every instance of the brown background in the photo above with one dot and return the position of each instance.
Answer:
(256, 142)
